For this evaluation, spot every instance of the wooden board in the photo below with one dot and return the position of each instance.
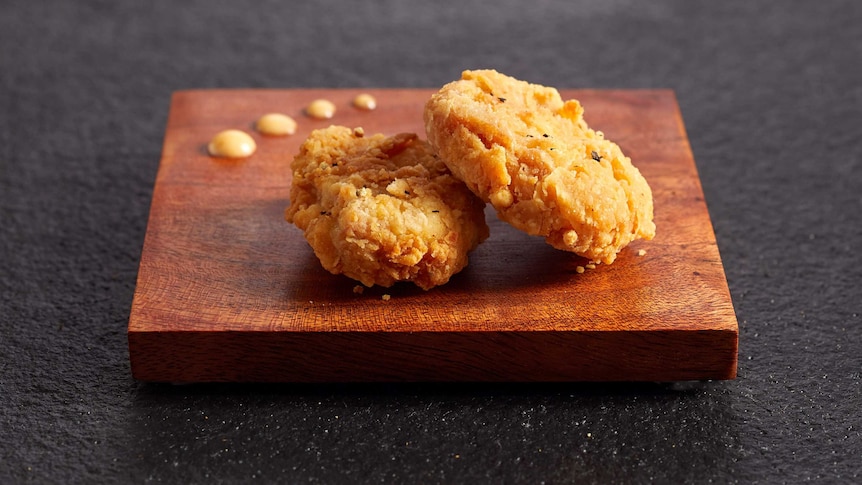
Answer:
(229, 291)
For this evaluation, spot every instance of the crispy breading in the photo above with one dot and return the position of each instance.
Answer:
(531, 155)
(383, 209)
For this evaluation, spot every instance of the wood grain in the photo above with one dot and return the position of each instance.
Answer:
(228, 291)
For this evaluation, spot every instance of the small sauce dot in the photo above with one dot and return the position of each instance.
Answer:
(231, 144)
(322, 109)
(365, 101)
(276, 124)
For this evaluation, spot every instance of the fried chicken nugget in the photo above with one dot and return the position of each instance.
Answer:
(533, 157)
(383, 209)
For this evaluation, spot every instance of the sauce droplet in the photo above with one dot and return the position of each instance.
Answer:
(232, 144)
(365, 101)
(276, 124)
(322, 109)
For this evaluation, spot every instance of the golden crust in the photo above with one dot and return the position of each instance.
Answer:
(382, 210)
(531, 155)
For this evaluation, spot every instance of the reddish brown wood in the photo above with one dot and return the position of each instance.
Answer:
(229, 291)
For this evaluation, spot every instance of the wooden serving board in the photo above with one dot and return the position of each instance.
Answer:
(229, 291)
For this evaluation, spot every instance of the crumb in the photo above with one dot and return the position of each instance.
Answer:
(358, 289)
(591, 266)
(641, 252)
(358, 132)
(386, 297)
(579, 269)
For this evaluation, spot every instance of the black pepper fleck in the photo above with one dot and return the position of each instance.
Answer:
(596, 156)
(545, 135)
(502, 100)
(435, 211)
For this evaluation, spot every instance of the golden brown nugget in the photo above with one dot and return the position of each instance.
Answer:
(533, 157)
(382, 210)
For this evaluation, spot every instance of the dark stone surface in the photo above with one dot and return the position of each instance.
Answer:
(771, 93)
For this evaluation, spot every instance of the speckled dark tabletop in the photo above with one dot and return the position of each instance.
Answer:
(771, 93)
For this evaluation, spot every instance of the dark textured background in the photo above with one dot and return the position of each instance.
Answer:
(771, 93)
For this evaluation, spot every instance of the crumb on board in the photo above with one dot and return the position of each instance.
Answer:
(579, 269)
(358, 289)
(641, 252)
(590, 266)
(386, 297)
